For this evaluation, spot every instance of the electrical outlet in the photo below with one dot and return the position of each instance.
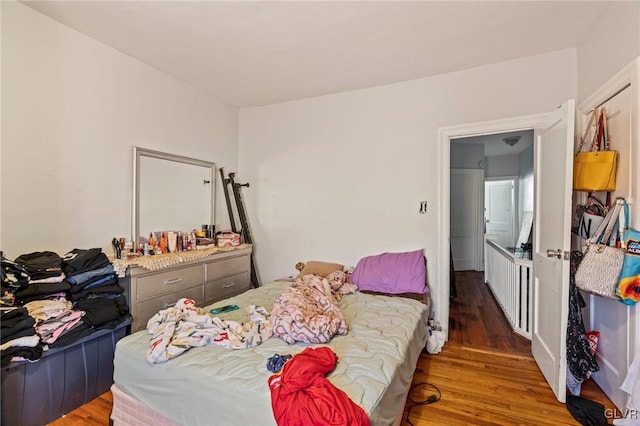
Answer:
(423, 207)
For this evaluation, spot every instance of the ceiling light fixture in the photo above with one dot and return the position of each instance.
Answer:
(511, 141)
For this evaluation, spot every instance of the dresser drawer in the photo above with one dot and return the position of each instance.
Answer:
(168, 282)
(228, 267)
(145, 310)
(226, 287)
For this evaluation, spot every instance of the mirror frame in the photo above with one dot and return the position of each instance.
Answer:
(143, 152)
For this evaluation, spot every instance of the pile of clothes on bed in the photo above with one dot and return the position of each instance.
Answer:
(52, 301)
(184, 326)
(302, 395)
(308, 311)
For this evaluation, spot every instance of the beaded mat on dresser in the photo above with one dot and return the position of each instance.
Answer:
(161, 261)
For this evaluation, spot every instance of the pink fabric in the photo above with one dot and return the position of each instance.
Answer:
(393, 273)
(53, 328)
(308, 310)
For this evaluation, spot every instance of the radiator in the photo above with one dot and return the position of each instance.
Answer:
(511, 282)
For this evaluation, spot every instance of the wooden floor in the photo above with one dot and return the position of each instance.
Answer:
(476, 320)
(485, 374)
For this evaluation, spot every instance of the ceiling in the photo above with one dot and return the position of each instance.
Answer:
(250, 53)
(495, 146)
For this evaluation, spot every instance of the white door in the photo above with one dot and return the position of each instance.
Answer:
(553, 171)
(466, 219)
(498, 205)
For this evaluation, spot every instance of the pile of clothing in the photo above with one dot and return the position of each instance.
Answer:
(309, 310)
(46, 278)
(66, 298)
(14, 277)
(179, 328)
(90, 274)
(302, 395)
(19, 340)
(54, 318)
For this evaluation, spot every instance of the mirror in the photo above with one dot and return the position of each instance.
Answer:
(170, 193)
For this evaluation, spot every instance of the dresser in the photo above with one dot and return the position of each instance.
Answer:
(206, 281)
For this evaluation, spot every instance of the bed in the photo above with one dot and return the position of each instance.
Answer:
(212, 385)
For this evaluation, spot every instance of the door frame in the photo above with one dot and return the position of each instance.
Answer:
(445, 134)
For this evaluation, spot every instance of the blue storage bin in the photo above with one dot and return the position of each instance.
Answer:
(36, 393)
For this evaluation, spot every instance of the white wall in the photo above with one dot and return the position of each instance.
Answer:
(525, 183)
(72, 109)
(340, 177)
(502, 165)
(467, 156)
(612, 43)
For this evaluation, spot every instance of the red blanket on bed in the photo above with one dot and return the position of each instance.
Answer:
(302, 395)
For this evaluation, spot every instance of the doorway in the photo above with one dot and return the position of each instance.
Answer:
(484, 206)
(491, 184)
(554, 137)
(448, 146)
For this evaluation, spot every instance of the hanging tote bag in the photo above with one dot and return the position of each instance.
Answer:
(595, 170)
(601, 264)
(588, 217)
(628, 289)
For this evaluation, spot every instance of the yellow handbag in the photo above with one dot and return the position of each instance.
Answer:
(595, 170)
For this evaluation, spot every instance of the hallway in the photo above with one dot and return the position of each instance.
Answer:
(476, 320)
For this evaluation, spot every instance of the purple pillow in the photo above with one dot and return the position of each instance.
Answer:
(393, 273)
